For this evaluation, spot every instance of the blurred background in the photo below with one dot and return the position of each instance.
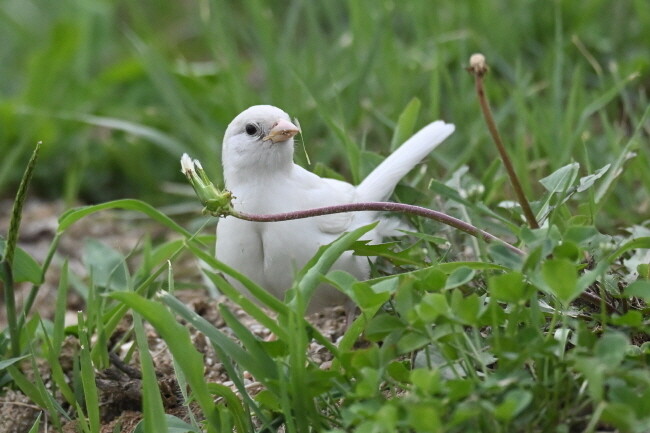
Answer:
(118, 90)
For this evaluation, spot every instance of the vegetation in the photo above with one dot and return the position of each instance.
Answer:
(454, 335)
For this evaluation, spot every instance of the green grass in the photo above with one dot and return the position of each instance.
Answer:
(474, 337)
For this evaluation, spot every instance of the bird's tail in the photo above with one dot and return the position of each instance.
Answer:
(381, 182)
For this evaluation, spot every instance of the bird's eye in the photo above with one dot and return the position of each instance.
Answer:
(251, 129)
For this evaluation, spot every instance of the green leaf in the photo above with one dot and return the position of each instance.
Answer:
(467, 309)
(562, 277)
(632, 318)
(263, 296)
(508, 287)
(643, 242)
(263, 365)
(426, 381)
(233, 404)
(178, 340)
(639, 289)
(514, 403)
(423, 417)
(106, 265)
(477, 266)
(412, 341)
(246, 304)
(398, 371)
(625, 155)
(24, 268)
(152, 405)
(405, 123)
(91, 396)
(174, 425)
(432, 306)
(382, 325)
(588, 181)
(505, 256)
(622, 417)
(229, 351)
(37, 424)
(452, 194)
(51, 354)
(643, 270)
(26, 386)
(561, 179)
(60, 311)
(268, 400)
(73, 215)
(362, 293)
(386, 250)
(311, 275)
(567, 250)
(218, 338)
(352, 150)
(611, 349)
(459, 277)
(583, 236)
(437, 240)
(11, 361)
(368, 386)
(162, 140)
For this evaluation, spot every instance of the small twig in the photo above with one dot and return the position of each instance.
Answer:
(382, 207)
(598, 301)
(130, 371)
(478, 68)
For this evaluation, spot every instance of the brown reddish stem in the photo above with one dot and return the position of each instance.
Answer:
(381, 207)
(479, 68)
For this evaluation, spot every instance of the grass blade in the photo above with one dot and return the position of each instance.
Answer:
(406, 123)
(181, 347)
(310, 276)
(259, 363)
(246, 304)
(617, 168)
(152, 405)
(88, 377)
(234, 351)
(59, 312)
(72, 216)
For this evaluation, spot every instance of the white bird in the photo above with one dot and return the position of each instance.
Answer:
(258, 169)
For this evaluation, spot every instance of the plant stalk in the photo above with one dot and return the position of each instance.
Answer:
(382, 207)
(10, 249)
(31, 297)
(479, 69)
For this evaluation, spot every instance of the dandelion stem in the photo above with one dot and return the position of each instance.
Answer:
(219, 203)
(382, 207)
(478, 68)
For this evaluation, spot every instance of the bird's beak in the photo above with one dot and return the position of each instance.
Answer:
(282, 130)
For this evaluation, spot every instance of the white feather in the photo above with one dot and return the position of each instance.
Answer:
(381, 182)
(264, 179)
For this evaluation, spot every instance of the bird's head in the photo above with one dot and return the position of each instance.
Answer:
(261, 139)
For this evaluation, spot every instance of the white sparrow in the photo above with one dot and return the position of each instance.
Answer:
(259, 170)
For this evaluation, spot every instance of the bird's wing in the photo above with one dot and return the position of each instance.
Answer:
(320, 192)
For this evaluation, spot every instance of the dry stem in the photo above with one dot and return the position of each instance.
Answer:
(478, 68)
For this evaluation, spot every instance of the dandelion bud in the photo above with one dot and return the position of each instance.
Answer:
(216, 202)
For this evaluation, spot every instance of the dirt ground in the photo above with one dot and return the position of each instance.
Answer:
(119, 386)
